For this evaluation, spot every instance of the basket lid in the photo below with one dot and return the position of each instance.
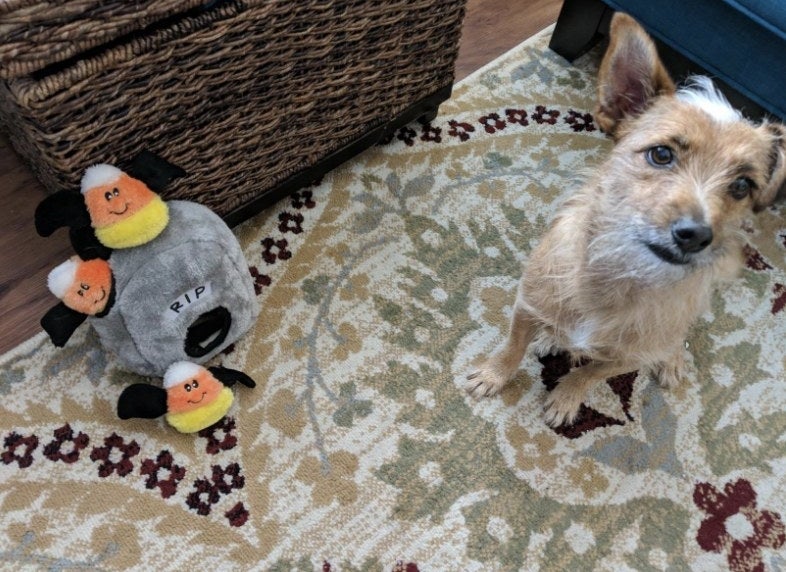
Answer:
(37, 33)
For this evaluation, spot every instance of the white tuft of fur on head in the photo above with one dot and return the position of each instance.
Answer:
(700, 92)
(61, 277)
(180, 372)
(99, 175)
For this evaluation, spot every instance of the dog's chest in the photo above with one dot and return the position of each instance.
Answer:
(646, 327)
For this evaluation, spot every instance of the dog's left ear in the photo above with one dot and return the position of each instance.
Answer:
(766, 195)
(630, 76)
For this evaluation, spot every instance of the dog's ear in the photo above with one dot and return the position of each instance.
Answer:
(766, 195)
(630, 75)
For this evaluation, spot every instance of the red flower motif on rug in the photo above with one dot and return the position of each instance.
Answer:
(543, 115)
(275, 250)
(588, 419)
(407, 135)
(237, 515)
(15, 441)
(517, 116)
(580, 121)
(460, 129)
(492, 122)
(236, 480)
(302, 199)
(754, 260)
(430, 133)
(736, 526)
(115, 446)
(164, 465)
(219, 436)
(408, 567)
(203, 497)
(260, 280)
(54, 449)
(780, 298)
(289, 222)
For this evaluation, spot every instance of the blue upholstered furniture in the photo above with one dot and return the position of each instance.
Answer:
(742, 43)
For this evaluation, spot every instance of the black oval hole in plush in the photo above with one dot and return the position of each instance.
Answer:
(208, 332)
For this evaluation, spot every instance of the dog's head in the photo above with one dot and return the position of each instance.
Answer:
(686, 168)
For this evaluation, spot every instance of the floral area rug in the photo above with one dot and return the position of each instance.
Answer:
(359, 450)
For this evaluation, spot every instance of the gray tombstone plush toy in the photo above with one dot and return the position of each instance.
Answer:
(160, 282)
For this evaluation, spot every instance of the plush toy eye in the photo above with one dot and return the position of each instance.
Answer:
(115, 192)
(741, 188)
(660, 156)
(84, 286)
(80, 292)
(195, 384)
(188, 387)
(108, 196)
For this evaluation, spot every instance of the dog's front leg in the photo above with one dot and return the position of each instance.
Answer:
(564, 401)
(671, 372)
(496, 371)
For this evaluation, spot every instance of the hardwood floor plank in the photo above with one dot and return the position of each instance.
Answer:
(491, 28)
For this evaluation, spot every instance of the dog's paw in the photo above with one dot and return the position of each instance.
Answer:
(562, 405)
(484, 381)
(671, 373)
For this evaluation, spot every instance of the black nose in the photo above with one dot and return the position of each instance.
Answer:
(691, 236)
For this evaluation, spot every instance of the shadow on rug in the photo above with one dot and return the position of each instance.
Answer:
(359, 449)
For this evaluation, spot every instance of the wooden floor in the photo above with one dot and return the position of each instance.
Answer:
(491, 28)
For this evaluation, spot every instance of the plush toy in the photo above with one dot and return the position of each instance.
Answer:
(192, 399)
(114, 209)
(86, 288)
(180, 286)
(123, 211)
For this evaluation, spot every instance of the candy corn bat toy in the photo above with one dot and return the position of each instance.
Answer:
(161, 282)
(192, 399)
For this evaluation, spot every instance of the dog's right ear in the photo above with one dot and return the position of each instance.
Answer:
(630, 76)
(776, 181)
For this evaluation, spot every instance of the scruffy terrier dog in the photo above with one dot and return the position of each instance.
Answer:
(629, 262)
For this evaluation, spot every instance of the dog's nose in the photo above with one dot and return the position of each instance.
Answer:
(690, 235)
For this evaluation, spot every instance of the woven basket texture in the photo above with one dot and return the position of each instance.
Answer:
(241, 95)
(35, 33)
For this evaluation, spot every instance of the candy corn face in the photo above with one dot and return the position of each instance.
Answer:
(83, 285)
(123, 211)
(196, 391)
(117, 201)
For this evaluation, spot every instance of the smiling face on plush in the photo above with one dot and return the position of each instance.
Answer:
(190, 387)
(117, 200)
(82, 285)
(123, 211)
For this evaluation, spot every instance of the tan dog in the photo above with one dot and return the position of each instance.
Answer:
(629, 262)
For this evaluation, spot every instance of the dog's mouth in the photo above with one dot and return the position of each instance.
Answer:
(668, 255)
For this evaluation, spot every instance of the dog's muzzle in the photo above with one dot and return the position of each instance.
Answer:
(688, 237)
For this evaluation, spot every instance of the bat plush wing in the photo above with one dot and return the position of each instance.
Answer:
(231, 376)
(141, 401)
(67, 209)
(60, 322)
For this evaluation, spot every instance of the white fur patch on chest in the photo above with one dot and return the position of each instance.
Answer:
(580, 337)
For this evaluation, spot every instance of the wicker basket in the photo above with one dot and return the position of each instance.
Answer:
(251, 98)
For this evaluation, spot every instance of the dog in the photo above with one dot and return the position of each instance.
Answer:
(631, 258)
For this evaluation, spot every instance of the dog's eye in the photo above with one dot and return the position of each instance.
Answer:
(741, 188)
(660, 156)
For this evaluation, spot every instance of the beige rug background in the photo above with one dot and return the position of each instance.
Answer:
(358, 450)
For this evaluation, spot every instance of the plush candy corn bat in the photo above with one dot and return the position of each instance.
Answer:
(123, 211)
(85, 288)
(192, 399)
(114, 210)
